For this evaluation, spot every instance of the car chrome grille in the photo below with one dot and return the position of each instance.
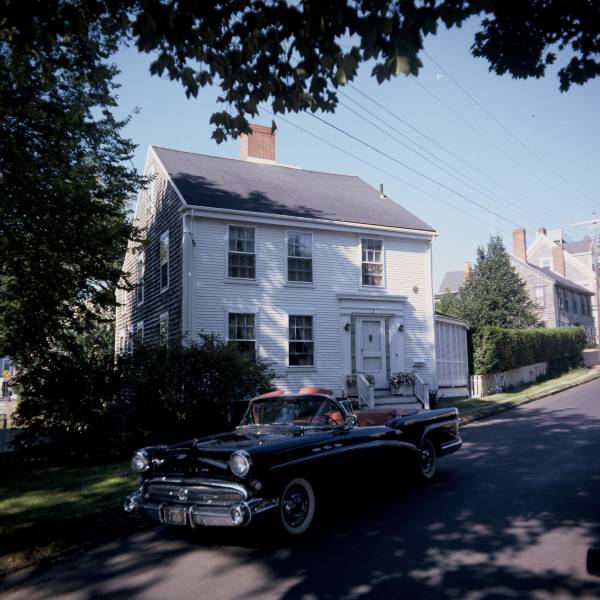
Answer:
(193, 493)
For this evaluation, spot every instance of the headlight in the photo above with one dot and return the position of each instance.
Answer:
(140, 461)
(239, 463)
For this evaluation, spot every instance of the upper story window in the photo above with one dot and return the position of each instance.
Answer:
(164, 260)
(241, 256)
(139, 334)
(140, 278)
(150, 188)
(163, 329)
(301, 342)
(540, 295)
(242, 331)
(299, 252)
(372, 262)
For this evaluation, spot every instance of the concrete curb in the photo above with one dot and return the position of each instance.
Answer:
(488, 411)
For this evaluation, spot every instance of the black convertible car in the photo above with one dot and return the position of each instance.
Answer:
(286, 447)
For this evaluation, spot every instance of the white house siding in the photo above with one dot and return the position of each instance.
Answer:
(533, 278)
(336, 274)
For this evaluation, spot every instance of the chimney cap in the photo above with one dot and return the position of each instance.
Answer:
(542, 231)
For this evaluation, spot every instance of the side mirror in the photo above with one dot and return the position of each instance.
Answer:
(351, 421)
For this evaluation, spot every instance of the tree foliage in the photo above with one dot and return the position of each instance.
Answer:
(448, 305)
(295, 55)
(86, 400)
(493, 293)
(66, 177)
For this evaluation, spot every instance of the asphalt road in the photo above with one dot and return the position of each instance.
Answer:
(511, 515)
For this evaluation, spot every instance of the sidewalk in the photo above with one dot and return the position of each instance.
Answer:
(473, 409)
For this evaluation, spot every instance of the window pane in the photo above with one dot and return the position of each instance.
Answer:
(301, 345)
(241, 331)
(300, 244)
(164, 248)
(164, 275)
(372, 262)
(241, 258)
(242, 265)
(300, 269)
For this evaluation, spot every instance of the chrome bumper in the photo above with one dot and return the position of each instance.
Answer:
(235, 515)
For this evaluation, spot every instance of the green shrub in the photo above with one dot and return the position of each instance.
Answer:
(496, 349)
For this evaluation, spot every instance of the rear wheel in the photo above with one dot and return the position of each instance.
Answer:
(427, 460)
(297, 506)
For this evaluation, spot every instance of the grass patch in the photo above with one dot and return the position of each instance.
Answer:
(527, 392)
(45, 510)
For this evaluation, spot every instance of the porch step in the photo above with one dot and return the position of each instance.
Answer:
(397, 402)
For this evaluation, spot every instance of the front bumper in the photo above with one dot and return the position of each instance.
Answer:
(212, 508)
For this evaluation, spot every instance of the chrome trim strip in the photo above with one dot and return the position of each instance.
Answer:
(199, 482)
(343, 449)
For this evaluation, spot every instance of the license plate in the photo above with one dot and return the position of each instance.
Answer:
(175, 516)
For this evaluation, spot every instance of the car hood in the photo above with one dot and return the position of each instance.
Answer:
(210, 455)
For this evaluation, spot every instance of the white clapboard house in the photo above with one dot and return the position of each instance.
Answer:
(318, 272)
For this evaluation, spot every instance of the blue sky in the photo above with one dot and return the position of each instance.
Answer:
(562, 130)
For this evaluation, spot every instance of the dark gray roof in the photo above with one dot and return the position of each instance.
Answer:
(584, 245)
(452, 281)
(563, 281)
(265, 188)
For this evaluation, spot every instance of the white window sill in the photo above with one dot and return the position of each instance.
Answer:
(301, 368)
(299, 284)
(240, 280)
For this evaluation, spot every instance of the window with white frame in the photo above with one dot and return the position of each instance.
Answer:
(372, 262)
(299, 252)
(139, 334)
(241, 256)
(140, 278)
(540, 295)
(242, 331)
(150, 189)
(301, 341)
(163, 329)
(164, 260)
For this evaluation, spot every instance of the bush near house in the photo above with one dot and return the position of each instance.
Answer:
(497, 349)
(95, 407)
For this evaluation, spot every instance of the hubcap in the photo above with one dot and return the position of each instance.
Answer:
(295, 506)
(426, 460)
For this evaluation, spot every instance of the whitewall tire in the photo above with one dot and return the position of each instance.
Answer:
(297, 506)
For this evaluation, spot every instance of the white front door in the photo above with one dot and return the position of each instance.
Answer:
(370, 349)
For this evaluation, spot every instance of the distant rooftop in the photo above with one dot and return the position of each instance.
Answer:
(584, 245)
(452, 281)
(233, 184)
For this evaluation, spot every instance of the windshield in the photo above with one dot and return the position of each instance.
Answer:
(304, 411)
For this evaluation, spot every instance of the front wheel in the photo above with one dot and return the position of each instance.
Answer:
(427, 460)
(297, 506)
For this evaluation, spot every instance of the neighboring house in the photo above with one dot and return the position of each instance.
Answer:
(559, 300)
(8, 399)
(575, 260)
(317, 272)
(453, 280)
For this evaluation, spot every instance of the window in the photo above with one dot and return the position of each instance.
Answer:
(545, 262)
(576, 303)
(242, 331)
(372, 262)
(299, 252)
(301, 342)
(241, 261)
(540, 295)
(566, 297)
(164, 261)
(163, 329)
(129, 339)
(140, 279)
(139, 334)
(561, 299)
(150, 189)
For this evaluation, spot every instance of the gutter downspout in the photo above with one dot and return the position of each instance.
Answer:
(187, 292)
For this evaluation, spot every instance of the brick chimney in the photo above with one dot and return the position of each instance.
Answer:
(519, 244)
(468, 269)
(558, 259)
(542, 231)
(258, 146)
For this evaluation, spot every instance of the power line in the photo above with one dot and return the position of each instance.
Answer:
(513, 135)
(485, 137)
(374, 166)
(451, 153)
(413, 170)
(514, 206)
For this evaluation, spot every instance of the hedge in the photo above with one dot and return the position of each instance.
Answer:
(496, 349)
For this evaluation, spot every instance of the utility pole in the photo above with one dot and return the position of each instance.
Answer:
(594, 225)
